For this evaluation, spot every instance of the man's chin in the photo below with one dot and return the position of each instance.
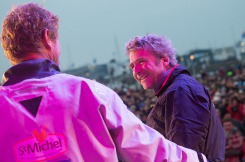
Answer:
(145, 87)
(144, 84)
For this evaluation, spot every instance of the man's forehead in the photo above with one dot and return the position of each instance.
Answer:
(141, 52)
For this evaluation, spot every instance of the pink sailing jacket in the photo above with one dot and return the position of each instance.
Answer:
(63, 118)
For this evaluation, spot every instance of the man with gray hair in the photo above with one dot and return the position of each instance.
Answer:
(183, 112)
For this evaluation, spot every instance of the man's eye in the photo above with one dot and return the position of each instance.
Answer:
(131, 67)
(142, 62)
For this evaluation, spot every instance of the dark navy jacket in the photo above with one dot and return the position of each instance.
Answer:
(36, 68)
(185, 114)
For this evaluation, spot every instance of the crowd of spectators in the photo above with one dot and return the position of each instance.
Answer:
(227, 90)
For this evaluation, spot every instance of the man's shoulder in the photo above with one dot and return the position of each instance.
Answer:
(187, 84)
(78, 79)
(183, 80)
(67, 79)
(63, 77)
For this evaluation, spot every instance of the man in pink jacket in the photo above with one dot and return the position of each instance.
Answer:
(47, 115)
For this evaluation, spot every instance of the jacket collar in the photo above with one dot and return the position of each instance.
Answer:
(161, 80)
(37, 68)
(179, 69)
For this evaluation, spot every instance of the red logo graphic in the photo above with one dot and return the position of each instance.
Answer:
(41, 146)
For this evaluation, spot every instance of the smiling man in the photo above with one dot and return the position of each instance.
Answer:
(184, 112)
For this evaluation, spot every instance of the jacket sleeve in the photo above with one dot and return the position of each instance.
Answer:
(137, 142)
(187, 115)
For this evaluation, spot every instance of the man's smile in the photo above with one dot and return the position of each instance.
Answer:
(141, 78)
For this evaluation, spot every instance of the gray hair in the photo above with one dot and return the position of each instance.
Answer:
(160, 45)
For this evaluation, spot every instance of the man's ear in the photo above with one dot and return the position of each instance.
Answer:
(46, 40)
(165, 61)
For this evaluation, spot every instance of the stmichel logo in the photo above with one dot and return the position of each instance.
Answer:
(41, 146)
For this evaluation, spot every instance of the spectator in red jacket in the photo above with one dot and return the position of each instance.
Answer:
(235, 108)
